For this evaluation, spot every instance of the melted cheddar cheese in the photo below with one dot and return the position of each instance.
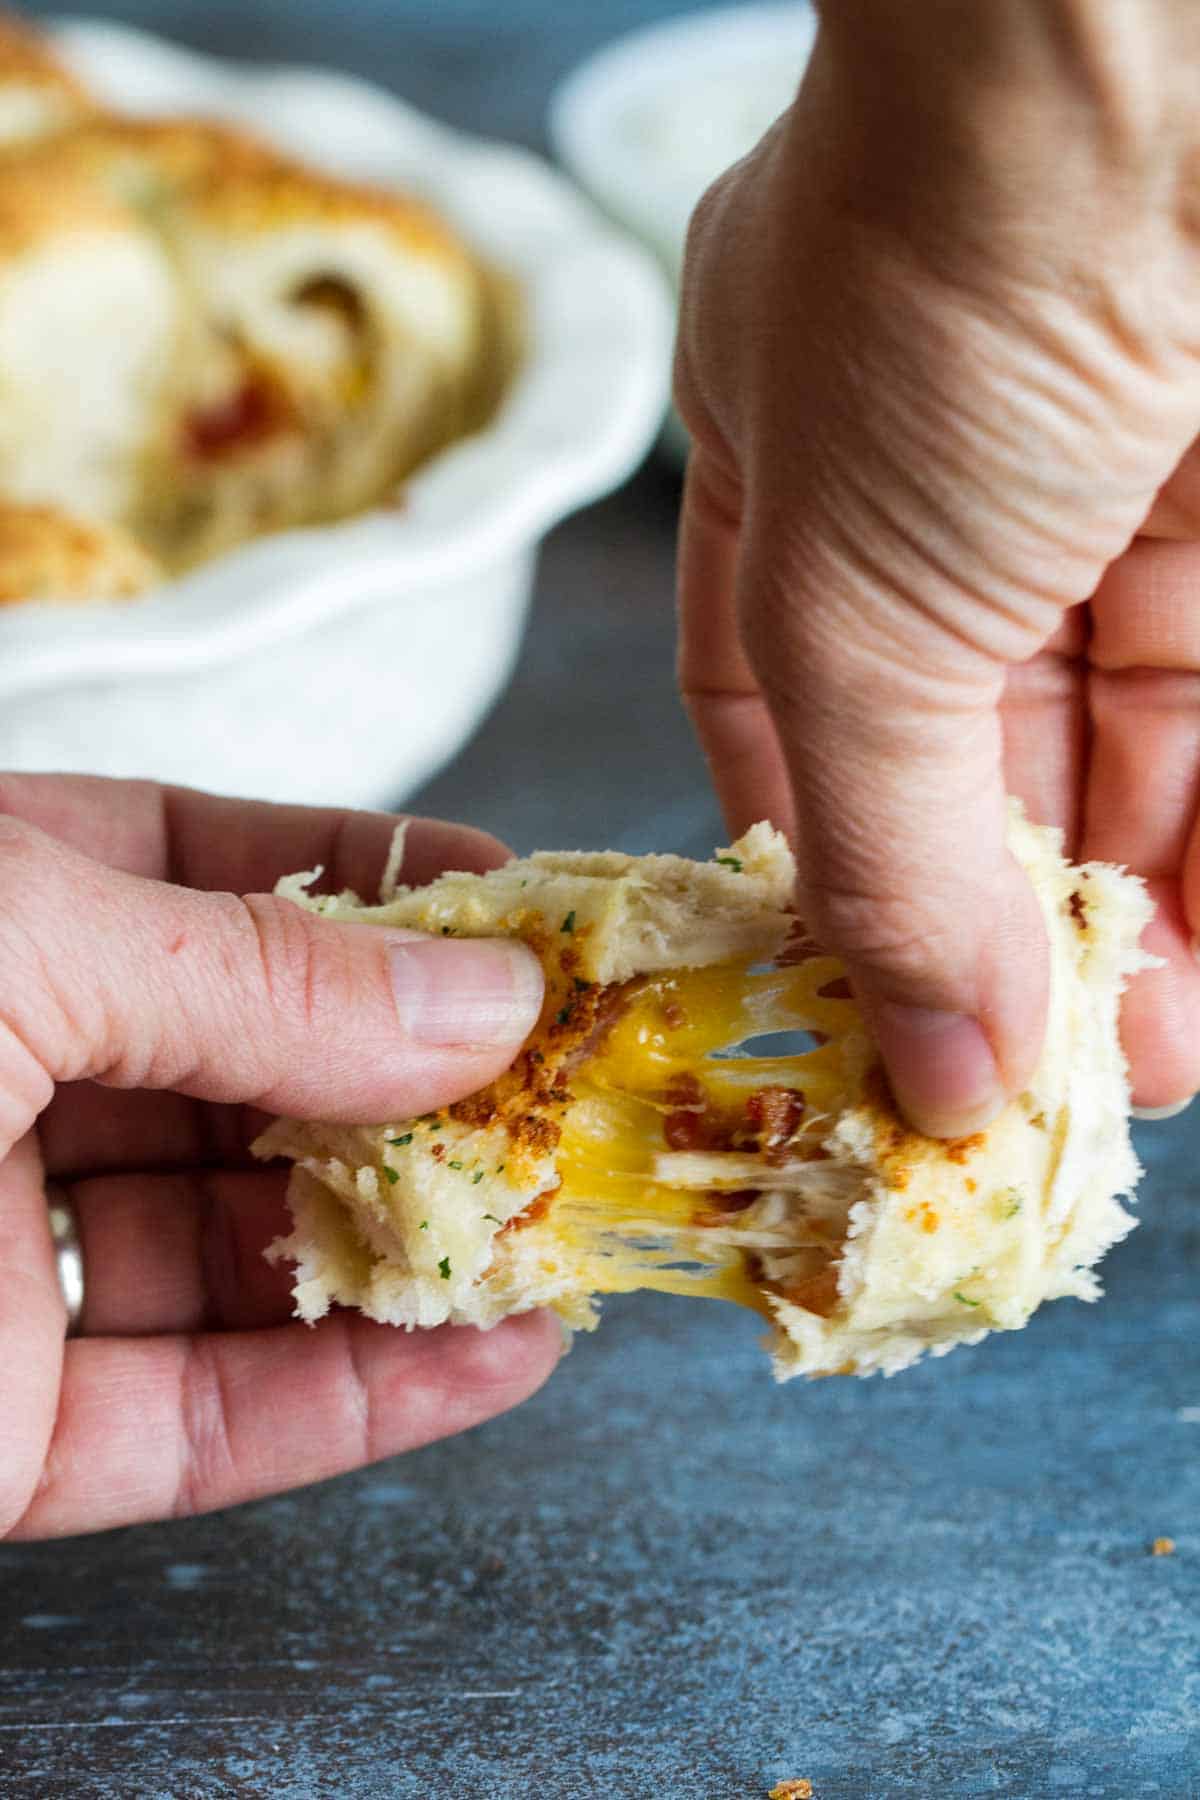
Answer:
(666, 1145)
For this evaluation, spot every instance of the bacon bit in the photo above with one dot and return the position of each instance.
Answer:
(537, 1209)
(437, 1151)
(817, 1294)
(1163, 1546)
(1078, 910)
(247, 416)
(720, 1206)
(594, 1012)
(688, 1130)
(775, 1113)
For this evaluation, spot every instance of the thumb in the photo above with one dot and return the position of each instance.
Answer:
(894, 750)
(137, 983)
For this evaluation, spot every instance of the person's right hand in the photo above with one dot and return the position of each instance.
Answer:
(940, 359)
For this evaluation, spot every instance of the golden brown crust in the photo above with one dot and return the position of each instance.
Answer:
(229, 179)
(48, 556)
(44, 192)
(26, 57)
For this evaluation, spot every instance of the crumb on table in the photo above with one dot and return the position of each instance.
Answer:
(792, 1790)
(1163, 1546)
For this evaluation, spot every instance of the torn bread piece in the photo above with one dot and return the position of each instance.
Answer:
(632, 1146)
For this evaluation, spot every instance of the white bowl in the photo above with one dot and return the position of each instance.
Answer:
(346, 663)
(647, 123)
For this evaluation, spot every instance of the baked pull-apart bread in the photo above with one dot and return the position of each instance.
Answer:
(336, 337)
(633, 1146)
(202, 340)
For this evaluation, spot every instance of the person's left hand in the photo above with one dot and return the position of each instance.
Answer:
(147, 1014)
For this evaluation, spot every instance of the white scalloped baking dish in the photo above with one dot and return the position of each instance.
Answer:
(346, 663)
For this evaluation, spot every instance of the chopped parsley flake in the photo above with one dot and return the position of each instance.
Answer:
(453, 1165)
(1013, 1202)
(731, 862)
(500, 1168)
(447, 931)
(393, 1175)
(406, 1139)
(963, 1301)
(581, 986)
(444, 1268)
(493, 1218)
(424, 1225)
(477, 1178)
(568, 923)
(564, 1016)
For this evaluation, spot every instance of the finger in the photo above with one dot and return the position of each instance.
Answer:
(135, 983)
(1044, 717)
(88, 1129)
(1144, 789)
(32, 1324)
(162, 1427)
(1176, 509)
(892, 734)
(719, 688)
(1161, 1009)
(244, 846)
(172, 1253)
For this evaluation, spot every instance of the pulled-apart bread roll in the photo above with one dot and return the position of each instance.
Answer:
(51, 557)
(630, 1147)
(202, 340)
(37, 94)
(338, 335)
(91, 318)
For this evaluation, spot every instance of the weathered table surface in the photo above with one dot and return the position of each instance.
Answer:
(663, 1576)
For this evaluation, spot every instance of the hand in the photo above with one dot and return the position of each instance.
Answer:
(145, 1009)
(940, 359)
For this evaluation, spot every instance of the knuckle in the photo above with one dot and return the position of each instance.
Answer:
(205, 1454)
(901, 937)
(295, 959)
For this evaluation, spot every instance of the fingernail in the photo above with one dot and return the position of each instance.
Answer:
(1151, 1113)
(942, 1070)
(474, 993)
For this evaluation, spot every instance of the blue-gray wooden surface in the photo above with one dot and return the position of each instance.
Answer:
(663, 1576)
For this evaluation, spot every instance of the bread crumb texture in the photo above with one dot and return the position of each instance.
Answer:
(658, 1131)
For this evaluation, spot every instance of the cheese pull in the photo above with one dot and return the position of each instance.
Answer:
(701, 1111)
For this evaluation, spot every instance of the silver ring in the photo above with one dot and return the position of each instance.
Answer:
(68, 1254)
